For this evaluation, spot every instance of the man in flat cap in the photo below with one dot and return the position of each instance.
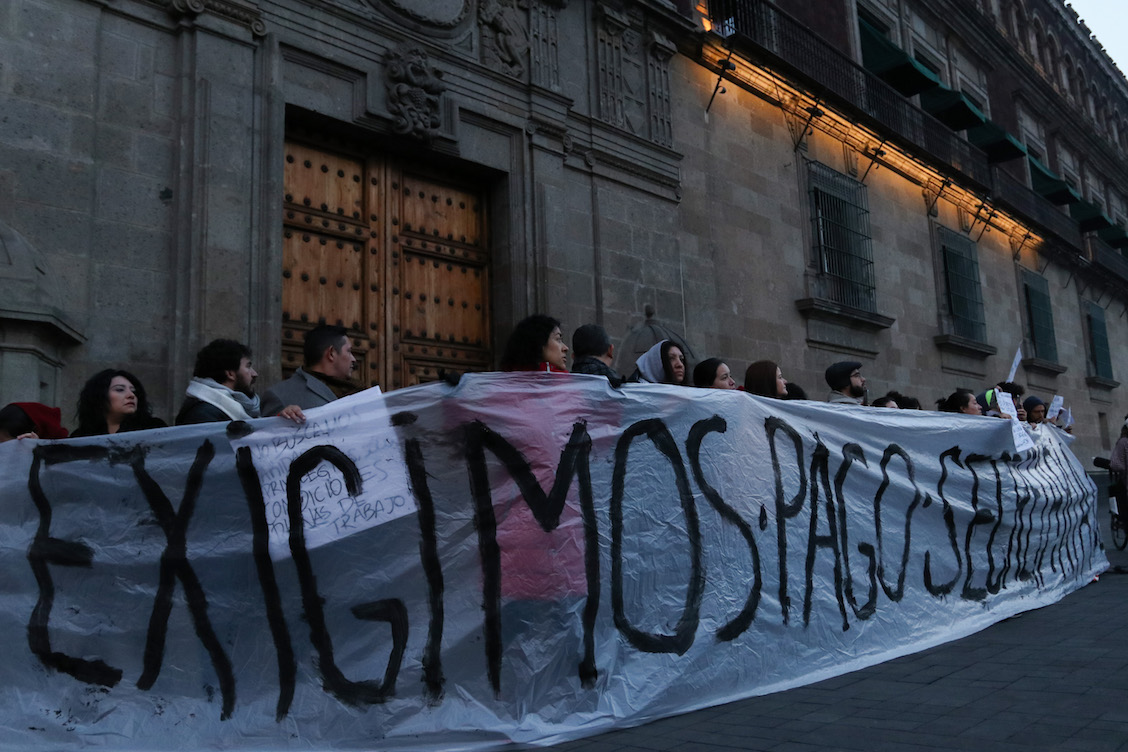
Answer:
(847, 385)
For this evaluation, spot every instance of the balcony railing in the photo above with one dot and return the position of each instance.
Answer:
(785, 43)
(799, 49)
(1108, 259)
(1015, 196)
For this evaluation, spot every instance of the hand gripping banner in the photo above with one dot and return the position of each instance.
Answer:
(520, 558)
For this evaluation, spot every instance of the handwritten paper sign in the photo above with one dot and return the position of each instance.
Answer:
(344, 485)
(1055, 407)
(1022, 440)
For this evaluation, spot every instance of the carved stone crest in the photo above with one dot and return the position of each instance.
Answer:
(414, 90)
(505, 38)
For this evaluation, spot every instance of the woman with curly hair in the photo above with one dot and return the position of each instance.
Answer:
(114, 401)
(536, 344)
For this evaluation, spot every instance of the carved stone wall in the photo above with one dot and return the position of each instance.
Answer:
(544, 47)
(634, 75)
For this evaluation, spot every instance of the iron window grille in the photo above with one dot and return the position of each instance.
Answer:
(1040, 316)
(1100, 360)
(843, 250)
(964, 292)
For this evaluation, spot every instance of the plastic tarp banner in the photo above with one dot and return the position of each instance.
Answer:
(520, 558)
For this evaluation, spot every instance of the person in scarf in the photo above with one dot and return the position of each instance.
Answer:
(222, 387)
(664, 363)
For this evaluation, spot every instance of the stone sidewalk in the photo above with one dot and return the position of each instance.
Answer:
(1054, 678)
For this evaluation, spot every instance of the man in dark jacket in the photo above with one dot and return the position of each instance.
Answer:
(846, 382)
(328, 362)
(594, 353)
(222, 387)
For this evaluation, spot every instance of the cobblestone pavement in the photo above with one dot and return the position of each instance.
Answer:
(1053, 678)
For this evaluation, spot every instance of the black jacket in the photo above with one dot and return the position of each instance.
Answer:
(197, 411)
(596, 367)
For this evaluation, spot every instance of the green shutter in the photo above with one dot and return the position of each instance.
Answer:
(1041, 316)
(965, 297)
(1099, 356)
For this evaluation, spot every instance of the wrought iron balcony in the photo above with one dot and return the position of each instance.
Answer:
(762, 30)
(1013, 195)
(1104, 257)
(793, 47)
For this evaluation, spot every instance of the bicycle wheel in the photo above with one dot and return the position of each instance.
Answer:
(1119, 532)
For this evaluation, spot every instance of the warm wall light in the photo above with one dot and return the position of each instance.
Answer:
(799, 104)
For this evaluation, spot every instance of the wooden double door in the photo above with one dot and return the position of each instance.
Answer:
(396, 255)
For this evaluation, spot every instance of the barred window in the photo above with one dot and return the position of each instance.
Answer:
(963, 291)
(1040, 316)
(840, 227)
(1100, 360)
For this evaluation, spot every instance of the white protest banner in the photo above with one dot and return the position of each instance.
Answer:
(1022, 440)
(1066, 418)
(356, 428)
(1055, 407)
(580, 558)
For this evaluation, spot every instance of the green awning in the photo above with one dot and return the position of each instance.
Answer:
(1049, 184)
(892, 64)
(1116, 236)
(993, 139)
(1089, 216)
(952, 108)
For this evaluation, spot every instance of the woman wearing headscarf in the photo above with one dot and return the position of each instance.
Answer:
(664, 363)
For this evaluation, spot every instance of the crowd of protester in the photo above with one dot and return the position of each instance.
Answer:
(223, 383)
(540, 342)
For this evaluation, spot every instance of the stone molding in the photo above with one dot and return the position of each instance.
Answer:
(242, 12)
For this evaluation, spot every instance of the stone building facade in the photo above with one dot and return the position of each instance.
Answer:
(921, 186)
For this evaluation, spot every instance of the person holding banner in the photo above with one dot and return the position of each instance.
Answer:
(846, 382)
(536, 344)
(765, 379)
(328, 362)
(1015, 391)
(886, 400)
(1035, 409)
(114, 401)
(222, 387)
(30, 420)
(713, 373)
(664, 363)
(1118, 462)
(960, 401)
(593, 353)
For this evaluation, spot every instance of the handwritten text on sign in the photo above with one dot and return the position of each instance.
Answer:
(344, 486)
